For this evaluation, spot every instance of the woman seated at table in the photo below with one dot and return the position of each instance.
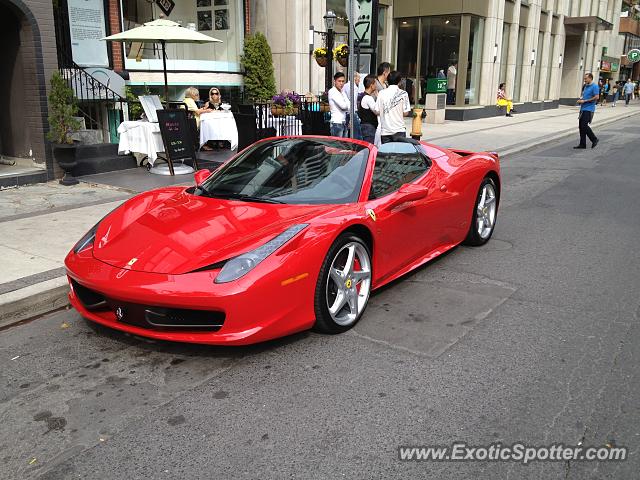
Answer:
(215, 99)
(215, 103)
(191, 97)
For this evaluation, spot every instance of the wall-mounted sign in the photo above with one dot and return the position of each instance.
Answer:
(605, 66)
(167, 6)
(366, 15)
(87, 27)
(633, 55)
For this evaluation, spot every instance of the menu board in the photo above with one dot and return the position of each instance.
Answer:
(177, 136)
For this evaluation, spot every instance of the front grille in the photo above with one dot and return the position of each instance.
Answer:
(150, 317)
(90, 299)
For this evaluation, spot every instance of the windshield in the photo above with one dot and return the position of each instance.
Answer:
(292, 170)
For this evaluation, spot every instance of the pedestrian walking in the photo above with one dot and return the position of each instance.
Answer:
(339, 106)
(628, 91)
(587, 103)
(616, 94)
(367, 110)
(393, 105)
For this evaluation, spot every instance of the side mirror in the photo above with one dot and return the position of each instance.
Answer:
(201, 176)
(408, 192)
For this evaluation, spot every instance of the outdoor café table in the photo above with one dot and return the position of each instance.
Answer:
(140, 137)
(218, 125)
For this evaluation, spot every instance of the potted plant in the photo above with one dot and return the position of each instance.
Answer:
(341, 54)
(62, 124)
(322, 56)
(285, 103)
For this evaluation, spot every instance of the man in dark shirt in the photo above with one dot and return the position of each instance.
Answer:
(590, 95)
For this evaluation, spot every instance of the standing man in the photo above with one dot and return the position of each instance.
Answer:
(339, 106)
(590, 95)
(393, 105)
(628, 91)
(384, 69)
(367, 110)
(452, 74)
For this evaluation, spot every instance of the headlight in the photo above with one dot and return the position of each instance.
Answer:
(87, 240)
(243, 264)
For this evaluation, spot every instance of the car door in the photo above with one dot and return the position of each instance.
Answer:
(403, 201)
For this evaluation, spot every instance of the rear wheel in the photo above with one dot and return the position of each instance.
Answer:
(484, 216)
(344, 285)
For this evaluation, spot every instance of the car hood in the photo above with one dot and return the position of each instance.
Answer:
(173, 232)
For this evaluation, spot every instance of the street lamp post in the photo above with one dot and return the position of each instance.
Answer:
(330, 23)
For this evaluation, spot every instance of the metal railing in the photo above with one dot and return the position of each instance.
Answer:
(310, 117)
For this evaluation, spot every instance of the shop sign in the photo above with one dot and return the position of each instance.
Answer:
(436, 85)
(634, 55)
(605, 66)
(615, 66)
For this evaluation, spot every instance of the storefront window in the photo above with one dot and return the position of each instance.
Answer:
(539, 56)
(407, 43)
(474, 69)
(440, 45)
(519, 60)
(221, 19)
(504, 52)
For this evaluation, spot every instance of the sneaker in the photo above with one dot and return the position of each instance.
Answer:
(508, 115)
(579, 147)
(595, 143)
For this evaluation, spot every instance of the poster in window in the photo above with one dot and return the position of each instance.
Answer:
(203, 3)
(204, 20)
(222, 19)
(220, 3)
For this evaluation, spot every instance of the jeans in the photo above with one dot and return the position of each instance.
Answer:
(338, 129)
(368, 132)
(357, 128)
(393, 138)
(585, 130)
(627, 98)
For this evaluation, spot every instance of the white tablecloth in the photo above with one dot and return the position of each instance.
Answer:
(218, 126)
(140, 137)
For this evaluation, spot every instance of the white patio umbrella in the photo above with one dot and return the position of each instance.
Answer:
(162, 31)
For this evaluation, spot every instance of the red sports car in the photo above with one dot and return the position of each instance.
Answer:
(292, 233)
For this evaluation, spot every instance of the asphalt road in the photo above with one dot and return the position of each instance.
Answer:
(533, 338)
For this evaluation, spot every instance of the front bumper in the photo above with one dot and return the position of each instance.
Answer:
(263, 305)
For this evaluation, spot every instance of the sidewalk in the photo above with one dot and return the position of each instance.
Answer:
(41, 223)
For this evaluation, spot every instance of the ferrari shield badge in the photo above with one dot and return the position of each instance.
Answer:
(132, 261)
(119, 313)
(371, 213)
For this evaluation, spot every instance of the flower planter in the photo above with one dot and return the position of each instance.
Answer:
(322, 61)
(277, 110)
(65, 155)
(344, 61)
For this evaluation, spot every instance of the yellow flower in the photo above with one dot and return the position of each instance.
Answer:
(341, 51)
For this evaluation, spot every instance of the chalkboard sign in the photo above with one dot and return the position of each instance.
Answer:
(177, 136)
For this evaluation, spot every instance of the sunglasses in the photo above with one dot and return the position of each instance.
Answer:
(215, 93)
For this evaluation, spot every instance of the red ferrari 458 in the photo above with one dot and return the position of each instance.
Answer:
(291, 233)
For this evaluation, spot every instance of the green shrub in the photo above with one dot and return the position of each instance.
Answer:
(259, 80)
(63, 107)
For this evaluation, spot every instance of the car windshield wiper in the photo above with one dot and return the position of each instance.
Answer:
(240, 196)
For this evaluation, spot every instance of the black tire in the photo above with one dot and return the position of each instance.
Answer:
(473, 236)
(324, 321)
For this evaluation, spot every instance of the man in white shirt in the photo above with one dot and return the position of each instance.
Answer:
(339, 106)
(452, 75)
(393, 105)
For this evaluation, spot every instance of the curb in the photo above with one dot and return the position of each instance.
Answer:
(33, 301)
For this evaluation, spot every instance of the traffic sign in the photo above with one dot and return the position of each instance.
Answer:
(634, 55)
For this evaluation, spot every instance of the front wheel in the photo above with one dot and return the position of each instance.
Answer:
(344, 285)
(485, 211)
